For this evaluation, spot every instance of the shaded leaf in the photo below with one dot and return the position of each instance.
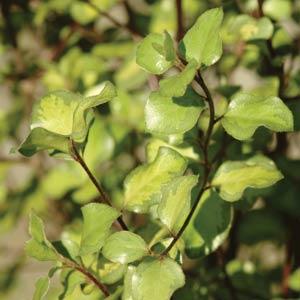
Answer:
(247, 112)
(143, 185)
(41, 288)
(209, 227)
(233, 177)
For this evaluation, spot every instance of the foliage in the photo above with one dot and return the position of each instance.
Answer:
(167, 176)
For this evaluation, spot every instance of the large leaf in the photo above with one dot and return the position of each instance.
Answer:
(233, 177)
(150, 54)
(172, 115)
(176, 201)
(247, 112)
(42, 139)
(209, 226)
(155, 279)
(175, 86)
(68, 114)
(143, 185)
(203, 42)
(39, 247)
(97, 220)
(124, 247)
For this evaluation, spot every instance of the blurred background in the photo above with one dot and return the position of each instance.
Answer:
(75, 45)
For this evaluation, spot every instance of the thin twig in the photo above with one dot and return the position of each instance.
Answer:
(70, 264)
(207, 166)
(126, 27)
(180, 17)
(104, 197)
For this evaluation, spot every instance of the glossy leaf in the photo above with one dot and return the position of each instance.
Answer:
(68, 114)
(156, 279)
(39, 247)
(149, 54)
(233, 177)
(203, 42)
(41, 288)
(247, 112)
(124, 247)
(144, 184)
(42, 139)
(97, 220)
(176, 201)
(175, 86)
(209, 227)
(111, 272)
(160, 112)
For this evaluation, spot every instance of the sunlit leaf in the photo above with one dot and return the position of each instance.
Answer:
(97, 220)
(148, 56)
(143, 185)
(176, 201)
(247, 112)
(202, 42)
(160, 112)
(124, 247)
(233, 177)
(41, 288)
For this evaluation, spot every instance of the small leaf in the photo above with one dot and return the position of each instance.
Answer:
(209, 227)
(233, 177)
(169, 47)
(124, 247)
(247, 112)
(39, 247)
(127, 292)
(160, 112)
(176, 202)
(149, 58)
(111, 272)
(143, 185)
(175, 86)
(156, 279)
(41, 288)
(203, 42)
(41, 139)
(97, 220)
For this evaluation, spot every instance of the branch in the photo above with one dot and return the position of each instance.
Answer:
(70, 264)
(207, 166)
(126, 27)
(104, 197)
(179, 13)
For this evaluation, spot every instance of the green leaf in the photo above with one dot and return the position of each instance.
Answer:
(169, 47)
(247, 112)
(203, 42)
(97, 220)
(149, 58)
(39, 247)
(41, 288)
(156, 279)
(71, 281)
(81, 121)
(124, 247)
(175, 86)
(233, 177)
(68, 114)
(176, 201)
(160, 112)
(127, 292)
(209, 227)
(111, 272)
(294, 280)
(42, 139)
(143, 185)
